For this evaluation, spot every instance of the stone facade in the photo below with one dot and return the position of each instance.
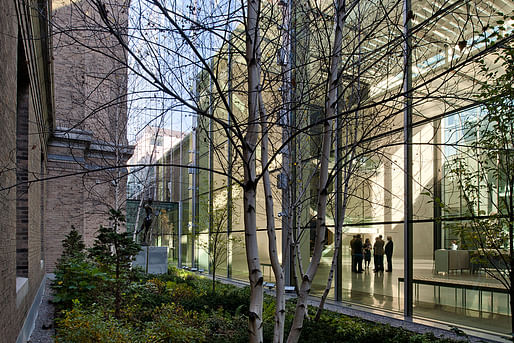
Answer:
(26, 115)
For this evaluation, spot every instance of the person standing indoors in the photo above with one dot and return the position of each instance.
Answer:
(389, 253)
(358, 253)
(354, 260)
(367, 253)
(378, 254)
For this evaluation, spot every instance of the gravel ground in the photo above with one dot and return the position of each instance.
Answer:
(44, 328)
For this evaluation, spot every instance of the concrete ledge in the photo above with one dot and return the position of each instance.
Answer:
(22, 289)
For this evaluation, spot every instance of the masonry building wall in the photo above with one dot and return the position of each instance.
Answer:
(25, 117)
(88, 147)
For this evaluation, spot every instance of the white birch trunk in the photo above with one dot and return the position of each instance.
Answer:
(250, 186)
(278, 271)
(337, 242)
(330, 106)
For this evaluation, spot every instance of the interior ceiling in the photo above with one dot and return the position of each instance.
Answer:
(442, 30)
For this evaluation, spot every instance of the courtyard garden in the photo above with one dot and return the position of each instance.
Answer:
(100, 298)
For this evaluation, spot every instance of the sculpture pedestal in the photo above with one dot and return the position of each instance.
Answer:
(157, 259)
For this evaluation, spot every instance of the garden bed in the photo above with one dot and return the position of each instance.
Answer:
(180, 307)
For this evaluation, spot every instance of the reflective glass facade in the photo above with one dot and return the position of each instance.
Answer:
(368, 194)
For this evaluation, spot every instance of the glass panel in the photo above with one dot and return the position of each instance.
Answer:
(457, 284)
(239, 269)
(202, 253)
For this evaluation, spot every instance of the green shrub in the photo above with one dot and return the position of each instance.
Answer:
(139, 304)
(174, 324)
(223, 327)
(80, 326)
(73, 246)
(339, 328)
(77, 279)
(171, 323)
(180, 307)
(231, 299)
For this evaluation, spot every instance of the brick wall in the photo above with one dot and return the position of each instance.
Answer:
(33, 211)
(64, 206)
(79, 196)
(7, 172)
(90, 134)
(87, 81)
(20, 157)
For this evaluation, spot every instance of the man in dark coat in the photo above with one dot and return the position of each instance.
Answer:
(352, 246)
(378, 254)
(388, 249)
(358, 253)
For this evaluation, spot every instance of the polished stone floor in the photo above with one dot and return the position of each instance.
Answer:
(445, 304)
(442, 304)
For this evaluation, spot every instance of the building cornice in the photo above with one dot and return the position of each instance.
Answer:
(82, 140)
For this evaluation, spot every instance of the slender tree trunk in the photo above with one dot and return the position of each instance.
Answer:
(510, 210)
(337, 242)
(510, 262)
(511, 276)
(250, 181)
(214, 260)
(136, 225)
(117, 291)
(252, 257)
(278, 271)
(294, 257)
(214, 276)
(330, 106)
(308, 277)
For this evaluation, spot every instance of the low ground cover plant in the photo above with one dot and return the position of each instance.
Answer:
(102, 301)
(179, 307)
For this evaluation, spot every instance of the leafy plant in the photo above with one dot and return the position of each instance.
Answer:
(224, 327)
(174, 324)
(178, 307)
(339, 328)
(77, 279)
(92, 326)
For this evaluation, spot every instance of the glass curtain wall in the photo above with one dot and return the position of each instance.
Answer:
(367, 196)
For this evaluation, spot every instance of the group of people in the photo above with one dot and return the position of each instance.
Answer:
(362, 252)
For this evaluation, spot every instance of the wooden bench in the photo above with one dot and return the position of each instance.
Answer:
(464, 285)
